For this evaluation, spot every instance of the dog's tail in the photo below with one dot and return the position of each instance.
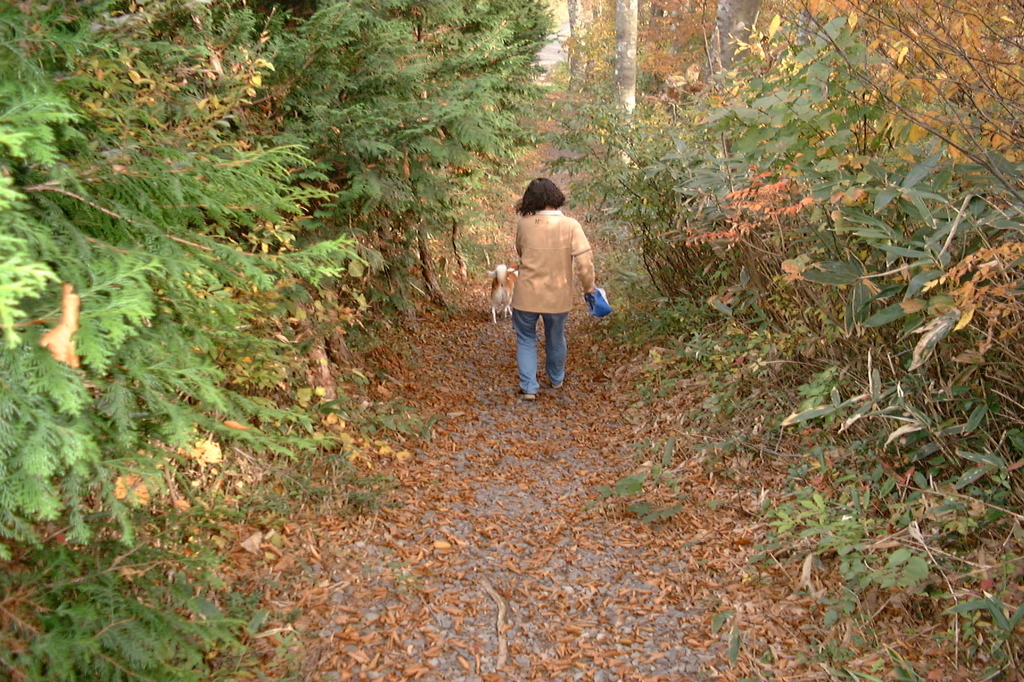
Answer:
(498, 273)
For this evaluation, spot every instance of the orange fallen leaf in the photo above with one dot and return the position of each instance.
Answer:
(131, 488)
(59, 340)
(238, 426)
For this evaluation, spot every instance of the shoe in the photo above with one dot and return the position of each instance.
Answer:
(527, 396)
(556, 386)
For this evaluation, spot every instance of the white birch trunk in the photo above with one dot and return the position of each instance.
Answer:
(578, 29)
(626, 12)
(734, 20)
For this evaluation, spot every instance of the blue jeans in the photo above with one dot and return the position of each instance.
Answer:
(525, 325)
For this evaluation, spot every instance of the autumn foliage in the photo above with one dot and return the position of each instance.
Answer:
(838, 222)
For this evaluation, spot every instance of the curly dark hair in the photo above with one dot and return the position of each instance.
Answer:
(540, 194)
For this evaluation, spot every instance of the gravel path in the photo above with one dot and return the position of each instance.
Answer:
(493, 564)
(554, 52)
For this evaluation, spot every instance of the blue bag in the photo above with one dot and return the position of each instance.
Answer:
(598, 303)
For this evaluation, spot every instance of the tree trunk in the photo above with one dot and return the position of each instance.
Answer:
(460, 262)
(319, 372)
(625, 54)
(578, 29)
(733, 22)
(807, 27)
(427, 266)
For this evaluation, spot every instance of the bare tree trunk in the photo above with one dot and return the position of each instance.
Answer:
(733, 22)
(625, 54)
(319, 371)
(460, 262)
(337, 348)
(427, 266)
(807, 28)
(578, 28)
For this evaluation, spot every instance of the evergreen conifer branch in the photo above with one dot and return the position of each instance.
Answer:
(187, 188)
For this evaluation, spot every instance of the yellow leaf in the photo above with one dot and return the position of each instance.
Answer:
(442, 544)
(964, 320)
(403, 455)
(774, 26)
(853, 20)
(132, 489)
(357, 456)
(916, 133)
(206, 452)
(256, 80)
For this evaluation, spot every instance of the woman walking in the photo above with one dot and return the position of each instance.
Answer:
(550, 246)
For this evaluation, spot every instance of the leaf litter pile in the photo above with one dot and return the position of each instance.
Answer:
(512, 547)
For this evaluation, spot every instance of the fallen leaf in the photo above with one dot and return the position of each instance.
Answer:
(131, 488)
(252, 543)
(59, 340)
(206, 452)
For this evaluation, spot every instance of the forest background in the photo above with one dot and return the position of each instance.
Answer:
(215, 213)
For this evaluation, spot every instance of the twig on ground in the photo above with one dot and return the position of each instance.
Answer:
(499, 623)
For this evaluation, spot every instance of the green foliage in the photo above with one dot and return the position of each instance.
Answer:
(26, 137)
(110, 615)
(866, 282)
(214, 184)
(150, 237)
(839, 527)
(642, 492)
(407, 109)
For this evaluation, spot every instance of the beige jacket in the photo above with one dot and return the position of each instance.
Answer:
(549, 244)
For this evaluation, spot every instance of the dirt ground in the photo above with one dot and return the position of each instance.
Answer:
(496, 559)
(499, 554)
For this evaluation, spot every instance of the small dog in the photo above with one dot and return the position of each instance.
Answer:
(503, 283)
